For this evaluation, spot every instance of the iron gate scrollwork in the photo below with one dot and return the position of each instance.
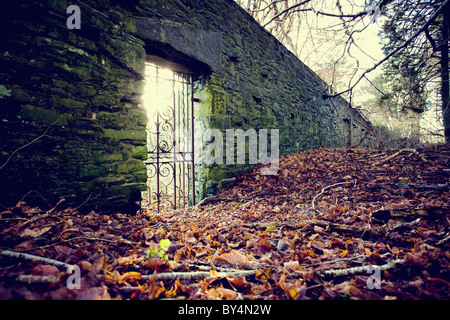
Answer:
(170, 163)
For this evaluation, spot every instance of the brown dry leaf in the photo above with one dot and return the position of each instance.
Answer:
(28, 233)
(176, 289)
(265, 245)
(157, 264)
(260, 288)
(153, 288)
(234, 257)
(85, 265)
(67, 233)
(112, 277)
(238, 282)
(212, 294)
(318, 229)
(122, 261)
(45, 270)
(347, 288)
(185, 252)
(220, 293)
(294, 290)
(344, 253)
(292, 265)
(131, 276)
(189, 237)
(227, 294)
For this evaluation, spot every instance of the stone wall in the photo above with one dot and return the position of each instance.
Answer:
(247, 79)
(85, 86)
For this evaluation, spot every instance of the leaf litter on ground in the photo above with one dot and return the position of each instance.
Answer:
(316, 230)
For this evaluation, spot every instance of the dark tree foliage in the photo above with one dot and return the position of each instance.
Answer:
(424, 59)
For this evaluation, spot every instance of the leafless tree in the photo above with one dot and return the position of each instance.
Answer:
(426, 21)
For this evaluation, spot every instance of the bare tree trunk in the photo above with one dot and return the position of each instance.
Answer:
(445, 73)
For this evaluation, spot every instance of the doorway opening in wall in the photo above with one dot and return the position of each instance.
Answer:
(168, 99)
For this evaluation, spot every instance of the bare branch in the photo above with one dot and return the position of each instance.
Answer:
(287, 10)
(376, 88)
(395, 51)
(28, 144)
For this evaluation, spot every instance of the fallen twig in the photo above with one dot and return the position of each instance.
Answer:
(406, 225)
(19, 255)
(75, 209)
(32, 278)
(54, 208)
(398, 153)
(86, 238)
(159, 276)
(355, 270)
(323, 190)
(197, 275)
(330, 226)
(45, 215)
(443, 241)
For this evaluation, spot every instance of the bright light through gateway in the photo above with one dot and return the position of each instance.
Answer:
(158, 90)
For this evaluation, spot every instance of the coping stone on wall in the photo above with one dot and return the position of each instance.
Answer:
(183, 43)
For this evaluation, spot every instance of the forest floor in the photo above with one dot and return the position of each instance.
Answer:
(332, 224)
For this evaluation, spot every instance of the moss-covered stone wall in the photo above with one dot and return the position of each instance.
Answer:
(251, 81)
(85, 86)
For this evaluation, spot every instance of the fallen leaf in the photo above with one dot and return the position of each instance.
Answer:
(123, 261)
(234, 257)
(220, 293)
(292, 265)
(294, 290)
(344, 253)
(98, 293)
(45, 270)
(131, 276)
(318, 229)
(28, 233)
(153, 288)
(176, 289)
(263, 245)
(157, 264)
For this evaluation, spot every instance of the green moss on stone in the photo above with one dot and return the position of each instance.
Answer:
(67, 103)
(93, 171)
(130, 166)
(133, 135)
(113, 157)
(39, 115)
(4, 92)
(130, 25)
(140, 152)
(109, 117)
(217, 174)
